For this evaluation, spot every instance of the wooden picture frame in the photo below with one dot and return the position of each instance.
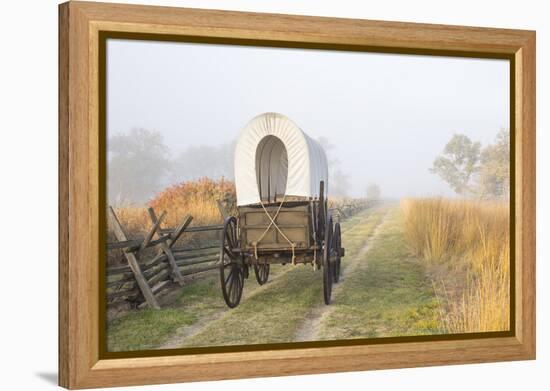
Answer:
(81, 162)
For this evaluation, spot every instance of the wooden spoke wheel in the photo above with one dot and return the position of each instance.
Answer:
(336, 249)
(232, 267)
(328, 275)
(262, 272)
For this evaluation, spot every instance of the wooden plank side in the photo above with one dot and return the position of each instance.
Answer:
(154, 370)
(297, 28)
(82, 304)
(65, 320)
(527, 187)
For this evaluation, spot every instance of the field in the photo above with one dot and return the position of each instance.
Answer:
(425, 266)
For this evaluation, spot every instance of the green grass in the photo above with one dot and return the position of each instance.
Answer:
(270, 316)
(148, 329)
(388, 294)
(145, 329)
(275, 314)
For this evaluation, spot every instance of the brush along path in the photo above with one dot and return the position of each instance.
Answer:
(388, 294)
(276, 313)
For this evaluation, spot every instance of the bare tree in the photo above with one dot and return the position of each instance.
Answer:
(138, 161)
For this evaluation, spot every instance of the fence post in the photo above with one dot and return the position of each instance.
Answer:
(133, 262)
(179, 230)
(166, 248)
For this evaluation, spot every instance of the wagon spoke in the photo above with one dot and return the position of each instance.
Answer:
(233, 237)
(228, 237)
(236, 286)
(262, 272)
(230, 291)
(228, 252)
(230, 280)
(229, 275)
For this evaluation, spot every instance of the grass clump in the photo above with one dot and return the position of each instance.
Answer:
(467, 247)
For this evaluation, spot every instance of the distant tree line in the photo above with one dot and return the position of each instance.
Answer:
(140, 165)
(471, 170)
(138, 162)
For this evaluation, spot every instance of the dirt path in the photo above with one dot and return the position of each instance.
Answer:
(186, 332)
(309, 329)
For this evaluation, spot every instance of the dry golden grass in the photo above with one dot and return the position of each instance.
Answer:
(466, 245)
(196, 198)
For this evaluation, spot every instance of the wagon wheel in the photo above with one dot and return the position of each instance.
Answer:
(232, 267)
(327, 264)
(262, 272)
(337, 246)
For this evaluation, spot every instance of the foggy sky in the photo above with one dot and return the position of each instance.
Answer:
(388, 115)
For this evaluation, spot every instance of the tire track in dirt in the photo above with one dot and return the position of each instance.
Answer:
(309, 330)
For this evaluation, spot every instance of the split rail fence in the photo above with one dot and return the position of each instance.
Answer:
(343, 212)
(143, 281)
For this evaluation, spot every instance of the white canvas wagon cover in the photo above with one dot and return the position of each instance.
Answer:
(273, 158)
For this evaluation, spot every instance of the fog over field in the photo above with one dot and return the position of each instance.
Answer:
(386, 116)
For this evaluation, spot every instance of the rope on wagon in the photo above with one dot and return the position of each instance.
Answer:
(272, 223)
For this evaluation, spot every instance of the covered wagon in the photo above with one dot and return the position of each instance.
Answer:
(281, 179)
